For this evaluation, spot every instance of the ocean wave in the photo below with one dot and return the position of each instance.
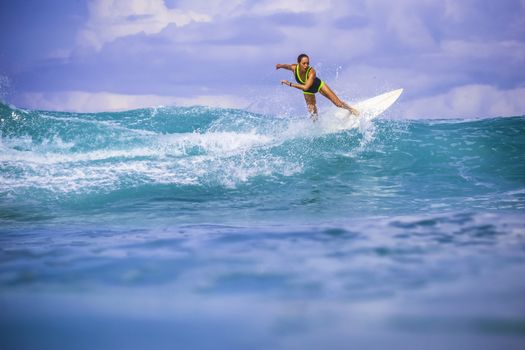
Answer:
(71, 153)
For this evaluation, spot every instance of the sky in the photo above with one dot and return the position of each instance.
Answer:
(455, 59)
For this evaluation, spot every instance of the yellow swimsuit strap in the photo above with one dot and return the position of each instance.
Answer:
(299, 76)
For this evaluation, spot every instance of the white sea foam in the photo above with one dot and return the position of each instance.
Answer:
(232, 150)
(225, 158)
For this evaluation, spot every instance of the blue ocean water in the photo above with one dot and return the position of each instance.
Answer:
(206, 228)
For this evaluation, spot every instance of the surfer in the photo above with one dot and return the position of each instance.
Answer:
(309, 83)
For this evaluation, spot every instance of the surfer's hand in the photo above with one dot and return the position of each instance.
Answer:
(285, 82)
(354, 111)
(277, 66)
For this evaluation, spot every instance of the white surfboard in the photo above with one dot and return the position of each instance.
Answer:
(374, 106)
(368, 109)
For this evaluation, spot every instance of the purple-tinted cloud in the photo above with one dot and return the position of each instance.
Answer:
(351, 22)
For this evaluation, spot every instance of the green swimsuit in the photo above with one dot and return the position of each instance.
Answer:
(316, 86)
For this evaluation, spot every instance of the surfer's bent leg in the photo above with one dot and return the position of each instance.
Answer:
(311, 104)
(329, 94)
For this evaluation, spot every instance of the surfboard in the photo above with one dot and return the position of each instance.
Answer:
(374, 106)
(368, 109)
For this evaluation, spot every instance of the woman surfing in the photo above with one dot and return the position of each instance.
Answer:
(309, 83)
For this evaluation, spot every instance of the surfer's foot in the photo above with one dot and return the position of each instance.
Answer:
(314, 117)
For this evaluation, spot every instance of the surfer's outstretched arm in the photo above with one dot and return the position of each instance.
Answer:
(285, 66)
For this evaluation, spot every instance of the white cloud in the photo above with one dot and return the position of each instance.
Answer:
(112, 19)
(82, 101)
(230, 9)
(276, 6)
(511, 49)
(404, 21)
(215, 8)
(469, 101)
(455, 10)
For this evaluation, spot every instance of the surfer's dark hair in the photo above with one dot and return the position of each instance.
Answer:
(301, 56)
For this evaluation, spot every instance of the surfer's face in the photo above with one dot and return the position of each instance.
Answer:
(305, 62)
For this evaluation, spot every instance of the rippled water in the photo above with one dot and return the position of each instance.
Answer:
(213, 228)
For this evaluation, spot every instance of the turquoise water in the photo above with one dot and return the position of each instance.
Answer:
(197, 228)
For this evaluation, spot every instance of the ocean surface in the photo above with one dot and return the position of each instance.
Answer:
(207, 228)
